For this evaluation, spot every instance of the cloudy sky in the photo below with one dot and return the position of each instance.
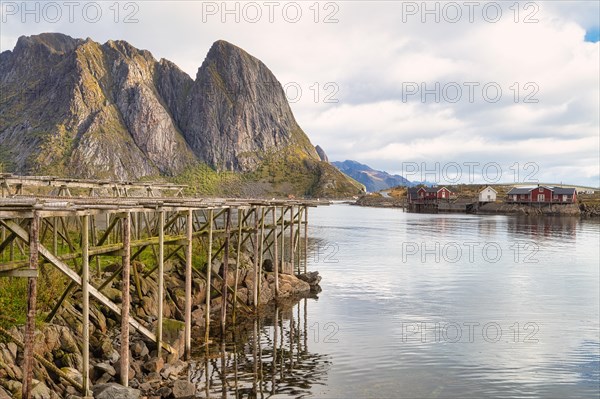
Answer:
(492, 91)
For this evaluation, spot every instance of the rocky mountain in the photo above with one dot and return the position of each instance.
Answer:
(77, 108)
(322, 154)
(374, 180)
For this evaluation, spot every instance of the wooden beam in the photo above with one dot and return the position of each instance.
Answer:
(126, 224)
(292, 240)
(225, 271)
(161, 279)
(85, 280)
(188, 283)
(34, 243)
(305, 239)
(275, 264)
(208, 277)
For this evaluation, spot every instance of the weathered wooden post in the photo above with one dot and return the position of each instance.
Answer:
(292, 240)
(261, 250)
(126, 232)
(85, 280)
(55, 235)
(225, 270)
(34, 242)
(255, 275)
(161, 279)
(237, 260)
(276, 257)
(188, 283)
(208, 275)
(282, 237)
(305, 239)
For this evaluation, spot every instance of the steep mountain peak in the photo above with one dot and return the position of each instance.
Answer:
(238, 114)
(127, 50)
(54, 42)
(224, 56)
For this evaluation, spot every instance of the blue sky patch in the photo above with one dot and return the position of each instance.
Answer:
(593, 35)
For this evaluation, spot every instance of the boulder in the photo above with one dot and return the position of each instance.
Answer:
(312, 278)
(73, 360)
(183, 390)
(41, 391)
(173, 369)
(14, 387)
(150, 306)
(268, 266)
(198, 317)
(114, 391)
(12, 348)
(140, 349)
(4, 394)
(154, 365)
(73, 374)
(113, 294)
(102, 368)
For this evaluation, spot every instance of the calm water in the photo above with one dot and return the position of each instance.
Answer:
(430, 306)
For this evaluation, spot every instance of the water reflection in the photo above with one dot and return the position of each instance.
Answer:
(269, 356)
(540, 228)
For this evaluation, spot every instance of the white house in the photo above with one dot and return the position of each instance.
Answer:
(488, 194)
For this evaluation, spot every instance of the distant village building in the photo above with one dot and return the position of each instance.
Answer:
(542, 195)
(585, 191)
(428, 194)
(488, 194)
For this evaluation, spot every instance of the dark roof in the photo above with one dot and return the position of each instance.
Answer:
(555, 190)
(413, 190)
(517, 190)
(563, 190)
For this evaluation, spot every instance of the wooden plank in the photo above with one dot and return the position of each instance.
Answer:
(26, 273)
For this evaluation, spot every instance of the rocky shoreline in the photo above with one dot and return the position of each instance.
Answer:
(150, 376)
(376, 201)
(552, 210)
(582, 209)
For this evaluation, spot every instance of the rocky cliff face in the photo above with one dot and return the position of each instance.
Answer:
(77, 108)
(238, 112)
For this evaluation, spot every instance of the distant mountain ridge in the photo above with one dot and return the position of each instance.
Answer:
(77, 108)
(374, 180)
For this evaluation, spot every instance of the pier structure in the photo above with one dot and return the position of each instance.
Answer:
(74, 235)
(12, 185)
